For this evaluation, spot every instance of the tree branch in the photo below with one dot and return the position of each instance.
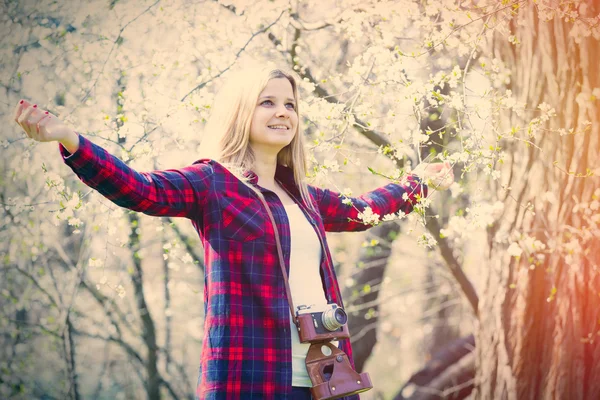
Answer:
(198, 258)
(115, 43)
(452, 263)
(201, 85)
(152, 383)
(449, 374)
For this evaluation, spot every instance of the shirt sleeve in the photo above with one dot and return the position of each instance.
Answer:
(389, 199)
(170, 193)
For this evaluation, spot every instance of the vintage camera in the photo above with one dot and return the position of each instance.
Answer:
(321, 324)
(328, 367)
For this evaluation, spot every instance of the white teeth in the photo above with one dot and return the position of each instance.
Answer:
(278, 127)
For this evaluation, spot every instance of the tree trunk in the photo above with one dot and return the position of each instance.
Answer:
(168, 318)
(69, 351)
(153, 381)
(539, 325)
(363, 320)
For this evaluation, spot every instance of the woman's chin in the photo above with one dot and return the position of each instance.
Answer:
(272, 146)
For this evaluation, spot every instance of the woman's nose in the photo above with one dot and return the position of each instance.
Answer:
(282, 112)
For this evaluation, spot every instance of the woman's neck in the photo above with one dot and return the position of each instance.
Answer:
(265, 170)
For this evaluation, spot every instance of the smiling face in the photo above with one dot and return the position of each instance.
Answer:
(274, 122)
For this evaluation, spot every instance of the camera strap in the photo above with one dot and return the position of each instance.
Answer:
(281, 260)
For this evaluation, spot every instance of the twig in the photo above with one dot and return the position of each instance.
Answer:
(201, 85)
(87, 94)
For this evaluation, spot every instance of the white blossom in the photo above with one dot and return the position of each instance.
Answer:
(514, 250)
(426, 240)
(368, 216)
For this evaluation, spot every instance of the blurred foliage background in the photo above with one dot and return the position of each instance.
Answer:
(489, 290)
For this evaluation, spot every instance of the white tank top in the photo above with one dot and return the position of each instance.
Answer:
(305, 283)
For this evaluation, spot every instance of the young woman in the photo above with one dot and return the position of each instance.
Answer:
(251, 348)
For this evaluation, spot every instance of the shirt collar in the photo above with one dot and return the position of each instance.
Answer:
(285, 175)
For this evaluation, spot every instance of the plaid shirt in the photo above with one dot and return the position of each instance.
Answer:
(246, 351)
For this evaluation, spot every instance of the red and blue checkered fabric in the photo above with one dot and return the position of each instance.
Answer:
(246, 351)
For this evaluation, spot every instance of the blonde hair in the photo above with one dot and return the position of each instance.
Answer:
(228, 128)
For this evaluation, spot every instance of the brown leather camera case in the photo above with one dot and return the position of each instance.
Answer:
(344, 380)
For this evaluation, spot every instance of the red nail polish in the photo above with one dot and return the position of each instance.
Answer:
(21, 102)
(35, 106)
(46, 112)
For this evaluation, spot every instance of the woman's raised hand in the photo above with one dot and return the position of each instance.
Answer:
(437, 175)
(42, 126)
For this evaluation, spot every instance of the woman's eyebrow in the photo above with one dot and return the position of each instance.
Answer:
(273, 97)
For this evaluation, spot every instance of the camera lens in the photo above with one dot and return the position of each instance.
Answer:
(340, 316)
(334, 318)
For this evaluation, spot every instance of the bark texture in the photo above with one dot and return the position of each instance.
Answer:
(539, 319)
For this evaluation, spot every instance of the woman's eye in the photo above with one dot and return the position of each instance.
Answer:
(270, 103)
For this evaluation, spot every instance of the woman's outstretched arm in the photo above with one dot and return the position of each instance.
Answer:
(176, 192)
(342, 213)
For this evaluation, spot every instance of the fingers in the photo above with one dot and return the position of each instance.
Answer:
(446, 179)
(31, 119)
(435, 168)
(441, 175)
(438, 175)
(24, 120)
(23, 104)
(444, 168)
(42, 125)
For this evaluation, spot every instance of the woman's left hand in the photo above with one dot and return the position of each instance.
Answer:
(436, 175)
